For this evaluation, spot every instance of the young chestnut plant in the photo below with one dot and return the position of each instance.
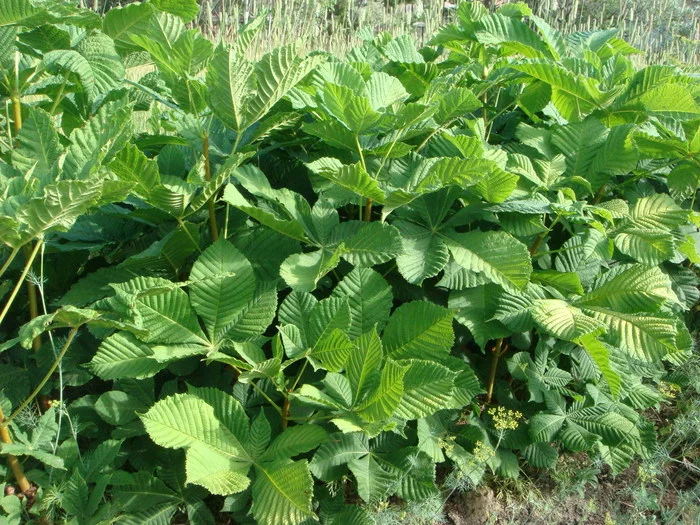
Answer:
(301, 273)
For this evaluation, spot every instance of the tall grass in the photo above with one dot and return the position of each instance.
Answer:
(666, 30)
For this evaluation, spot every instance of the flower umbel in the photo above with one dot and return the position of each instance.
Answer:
(505, 419)
(482, 452)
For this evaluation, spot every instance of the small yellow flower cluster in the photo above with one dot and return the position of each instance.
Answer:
(505, 419)
(55, 403)
(669, 390)
(482, 452)
(646, 475)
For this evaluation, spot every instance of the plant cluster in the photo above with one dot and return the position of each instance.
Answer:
(288, 289)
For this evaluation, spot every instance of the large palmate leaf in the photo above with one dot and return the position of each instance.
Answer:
(223, 283)
(58, 208)
(37, 148)
(644, 337)
(122, 355)
(633, 289)
(425, 253)
(166, 313)
(282, 493)
(419, 330)
(351, 177)
(369, 298)
(216, 459)
(500, 257)
(476, 309)
(574, 95)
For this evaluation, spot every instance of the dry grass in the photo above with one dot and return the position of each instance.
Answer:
(667, 30)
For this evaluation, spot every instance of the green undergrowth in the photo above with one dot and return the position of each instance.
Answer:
(306, 288)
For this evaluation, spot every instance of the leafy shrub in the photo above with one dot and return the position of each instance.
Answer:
(306, 280)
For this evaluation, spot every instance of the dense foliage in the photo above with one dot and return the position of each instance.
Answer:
(304, 282)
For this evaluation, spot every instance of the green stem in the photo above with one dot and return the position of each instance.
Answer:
(497, 353)
(32, 300)
(59, 96)
(299, 374)
(261, 392)
(66, 345)
(213, 227)
(189, 235)
(541, 236)
(21, 279)
(285, 413)
(155, 95)
(9, 260)
(368, 211)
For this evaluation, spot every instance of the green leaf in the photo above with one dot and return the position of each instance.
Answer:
(282, 493)
(657, 212)
(650, 247)
(294, 441)
(131, 165)
(216, 459)
(476, 308)
(332, 350)
(512, 34)
(351, 177)
(573, 94)
(37, 147)
(276, 73)
(419, 330)
(633, 289)
(363, 365)
(185, 9)
(601, 356)
(229, 80)
(331, 457)
(383, 402)
(121, 22)
(499, 256)
(427, 389)
(374, 483)
(222, 285)
(256, 316)
(57, 209)
(541, 455)
(370, 300)
(425, 254)
(16, 11)
(584, 254)
(644, 337)
(352, 110)
(166, 315)
(302, 271)
(288, 227)
(368, 243)
(456, 103)
(384, 90)
(122, 355)
(560, 319)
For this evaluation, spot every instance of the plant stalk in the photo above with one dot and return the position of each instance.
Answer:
(31, 289)
(15, 465)
(213, 227)
(9, 260)
(497, 353)
(49, 373)
(21, 279)
(285, 413)
(32, 298)
(368, 211)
